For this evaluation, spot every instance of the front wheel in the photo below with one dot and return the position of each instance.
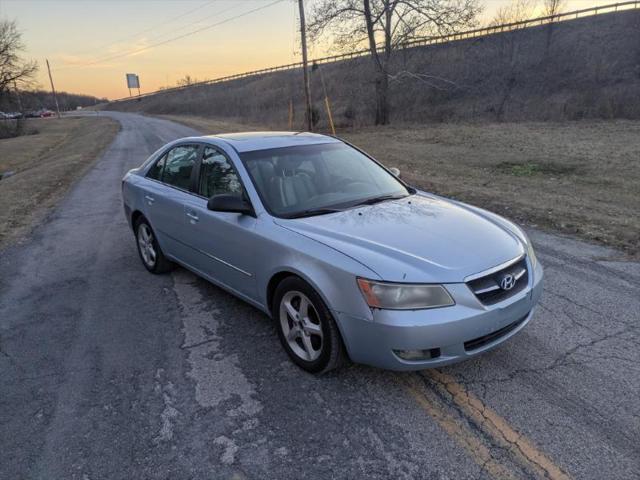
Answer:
(306, 327)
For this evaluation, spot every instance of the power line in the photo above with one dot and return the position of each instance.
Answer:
(199, 20)
(153, 27)
(173, 39)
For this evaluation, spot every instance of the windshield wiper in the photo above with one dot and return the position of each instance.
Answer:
(367, 201)
(314, 211)
(381, 198)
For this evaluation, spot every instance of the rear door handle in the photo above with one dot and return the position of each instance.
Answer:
(194, 218)
(149, 199)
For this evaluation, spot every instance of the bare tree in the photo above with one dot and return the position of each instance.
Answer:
(15, 72)
(516, 11)
(384, 26)
(186, 81)
(551, 8)
(507, 51)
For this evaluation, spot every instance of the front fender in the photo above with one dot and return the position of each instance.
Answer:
(331, 273)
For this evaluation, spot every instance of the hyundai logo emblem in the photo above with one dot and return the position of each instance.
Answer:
(507, 282)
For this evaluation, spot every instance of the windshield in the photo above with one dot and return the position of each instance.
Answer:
(313, 179)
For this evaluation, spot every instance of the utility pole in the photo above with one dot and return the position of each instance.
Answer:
(53, 89)
(307, 89)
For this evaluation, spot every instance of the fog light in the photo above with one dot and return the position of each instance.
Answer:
(417, 355)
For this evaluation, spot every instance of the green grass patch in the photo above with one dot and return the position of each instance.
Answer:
(529, 169)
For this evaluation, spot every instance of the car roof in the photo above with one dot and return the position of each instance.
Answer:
(252, 141)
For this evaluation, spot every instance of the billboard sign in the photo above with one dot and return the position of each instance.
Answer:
(133, 81)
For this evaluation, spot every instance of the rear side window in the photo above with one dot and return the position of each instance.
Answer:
(178, 165)
(217, 176)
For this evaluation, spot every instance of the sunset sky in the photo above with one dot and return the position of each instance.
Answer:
(80, 37)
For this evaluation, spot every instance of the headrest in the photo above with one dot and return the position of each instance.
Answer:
(289, 163)
(267, 172)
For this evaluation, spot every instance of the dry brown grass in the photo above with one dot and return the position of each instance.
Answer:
(45, 165)
(580, 178)
(212, 126)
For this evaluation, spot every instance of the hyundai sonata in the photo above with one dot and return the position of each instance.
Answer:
(349, 260)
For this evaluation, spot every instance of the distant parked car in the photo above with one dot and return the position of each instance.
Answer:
(346, 257)
(4, 116)
(42, 113)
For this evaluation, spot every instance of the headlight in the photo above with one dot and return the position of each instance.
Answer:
(404, 296)
(530, 253)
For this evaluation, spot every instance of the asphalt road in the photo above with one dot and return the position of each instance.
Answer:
(107, 371)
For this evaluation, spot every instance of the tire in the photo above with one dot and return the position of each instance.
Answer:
(313, 342)
(149, 250)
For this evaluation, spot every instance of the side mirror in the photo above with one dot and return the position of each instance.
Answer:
(230, 203)
(395, 171)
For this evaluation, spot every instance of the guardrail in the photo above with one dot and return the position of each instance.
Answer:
(479, 32)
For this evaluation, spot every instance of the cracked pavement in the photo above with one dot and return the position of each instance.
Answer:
(109, 372)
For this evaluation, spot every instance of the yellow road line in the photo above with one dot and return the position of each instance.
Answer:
(459, 432)
(522, 450)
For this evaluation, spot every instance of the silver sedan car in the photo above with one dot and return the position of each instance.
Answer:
(349, 260)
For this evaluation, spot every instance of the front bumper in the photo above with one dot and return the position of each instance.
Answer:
(443, 330)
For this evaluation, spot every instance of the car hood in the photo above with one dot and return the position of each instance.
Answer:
(420, 238)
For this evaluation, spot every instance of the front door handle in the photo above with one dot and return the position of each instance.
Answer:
(149, 199)
(194, 218)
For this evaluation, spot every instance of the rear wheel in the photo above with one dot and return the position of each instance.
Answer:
(306, 327)
(149, 250)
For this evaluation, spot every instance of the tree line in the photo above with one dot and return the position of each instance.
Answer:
(18, 89)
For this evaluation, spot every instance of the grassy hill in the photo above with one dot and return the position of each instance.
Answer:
(583, 68)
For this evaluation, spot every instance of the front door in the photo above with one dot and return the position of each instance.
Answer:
(224, 241)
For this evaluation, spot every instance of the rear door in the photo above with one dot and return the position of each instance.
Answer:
(225, 241)
(170, 183)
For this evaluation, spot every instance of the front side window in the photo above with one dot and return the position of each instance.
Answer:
(155, 171)
(179, 162)
(217, 176)
(301, 180)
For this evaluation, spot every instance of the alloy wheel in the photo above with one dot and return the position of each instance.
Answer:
(301, 325)
(145, 244)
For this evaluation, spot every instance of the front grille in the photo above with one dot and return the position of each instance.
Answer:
(488, 289)
(487, 339)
